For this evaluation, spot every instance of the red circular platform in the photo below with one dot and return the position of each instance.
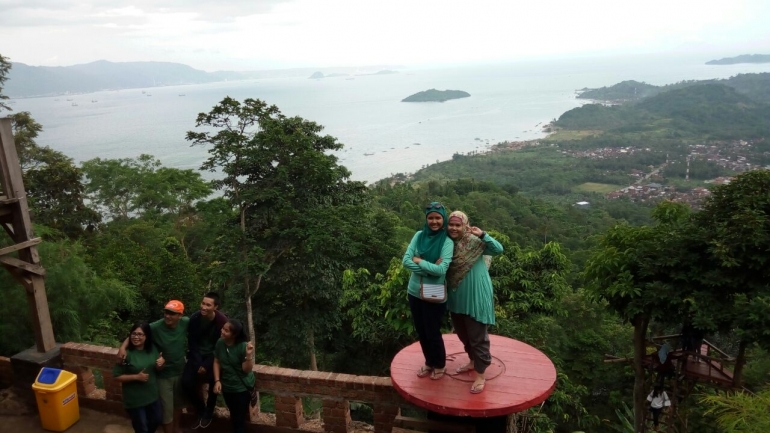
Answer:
(520, 377)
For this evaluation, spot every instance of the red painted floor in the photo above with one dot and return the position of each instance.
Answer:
(520, 377)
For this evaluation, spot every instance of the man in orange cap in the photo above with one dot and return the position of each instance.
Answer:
(169, 334)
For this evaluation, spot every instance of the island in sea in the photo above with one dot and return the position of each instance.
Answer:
(743, 58)
(319, 75)
(434, 95)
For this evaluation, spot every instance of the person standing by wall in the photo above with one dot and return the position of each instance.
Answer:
(136, 374)
(202, 335)
(233, 372)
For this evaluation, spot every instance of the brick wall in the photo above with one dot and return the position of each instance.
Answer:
(287, 385)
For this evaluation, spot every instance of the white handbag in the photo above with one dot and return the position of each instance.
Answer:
(432, 292)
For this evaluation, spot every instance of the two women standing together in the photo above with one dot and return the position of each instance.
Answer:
(448, 251)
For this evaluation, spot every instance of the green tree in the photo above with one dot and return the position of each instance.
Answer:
(740, 412)
(634, 269)
(734, 227)
(277, 173)
(5, 67)
(80, 300)
(128, 187)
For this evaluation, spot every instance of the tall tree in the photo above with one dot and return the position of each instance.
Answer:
(734, 227)
(277, 172)
(132, 187)
(5, 67)
(635, 270)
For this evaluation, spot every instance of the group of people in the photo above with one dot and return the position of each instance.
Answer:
(164, 365)
(449, 252)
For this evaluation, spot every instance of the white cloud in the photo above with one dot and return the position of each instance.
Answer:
(252, 34)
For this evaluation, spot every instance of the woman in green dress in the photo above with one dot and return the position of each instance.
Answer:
(136, 374)
(233, 375)
(471, 300)
(428, 257)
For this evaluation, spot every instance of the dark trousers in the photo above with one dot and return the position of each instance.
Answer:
(655, 415)
(146, 419)
(427, 317)
(238, 403)
(475, 339)
(191, 384)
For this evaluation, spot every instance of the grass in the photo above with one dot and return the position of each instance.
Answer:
(602, 188)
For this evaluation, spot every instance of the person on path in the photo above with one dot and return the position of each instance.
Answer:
(471, 299)
(428, 257)
(658, 401)
(136, 374)
(233, 372)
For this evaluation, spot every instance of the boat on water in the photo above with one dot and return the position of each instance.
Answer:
(368, 154)
(74, 104)
(181, 94)
(94, 100)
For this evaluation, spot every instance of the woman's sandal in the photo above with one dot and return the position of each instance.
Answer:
(465, 368)
(476, 388)
(438, 373)
(424, 371)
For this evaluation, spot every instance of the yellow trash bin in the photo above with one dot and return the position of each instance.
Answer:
(57, 398)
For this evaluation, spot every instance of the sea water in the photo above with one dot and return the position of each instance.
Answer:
(382, 135)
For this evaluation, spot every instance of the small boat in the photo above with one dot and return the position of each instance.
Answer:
(181, 94)
(368, 154)
(74, 104)
(94, 100)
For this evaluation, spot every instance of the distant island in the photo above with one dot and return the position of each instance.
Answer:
(744, 58)
(319, 74)
(27, 81)
(434, 95)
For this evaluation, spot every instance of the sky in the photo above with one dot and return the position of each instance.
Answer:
(274, 34)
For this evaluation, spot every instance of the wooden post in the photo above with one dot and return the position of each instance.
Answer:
(14, 217)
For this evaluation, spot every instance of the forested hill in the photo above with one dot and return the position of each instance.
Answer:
(25, 80)
(597, 150)
(755, 86)
(744, 58)
(713, 110)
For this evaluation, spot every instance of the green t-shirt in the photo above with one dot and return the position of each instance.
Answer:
(135, 393)
(172, 343)
(231, 373)
(208, 338)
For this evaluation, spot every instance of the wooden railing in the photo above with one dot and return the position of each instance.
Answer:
(288, 386)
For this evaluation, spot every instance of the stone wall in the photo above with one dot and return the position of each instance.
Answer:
(287, 385)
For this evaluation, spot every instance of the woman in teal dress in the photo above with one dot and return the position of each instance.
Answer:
(471, 301)
(428, 257)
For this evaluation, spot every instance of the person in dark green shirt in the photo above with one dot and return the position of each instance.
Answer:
(233, 375)
(170, 337)
(202, 335)
(137, 376)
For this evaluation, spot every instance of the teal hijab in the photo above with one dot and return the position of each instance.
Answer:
(431, 243)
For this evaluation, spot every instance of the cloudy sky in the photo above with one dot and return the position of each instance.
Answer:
(269, 34)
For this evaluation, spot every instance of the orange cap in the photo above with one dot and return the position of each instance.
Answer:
(175, 306)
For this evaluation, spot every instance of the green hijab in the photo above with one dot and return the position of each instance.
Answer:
(431, 243)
